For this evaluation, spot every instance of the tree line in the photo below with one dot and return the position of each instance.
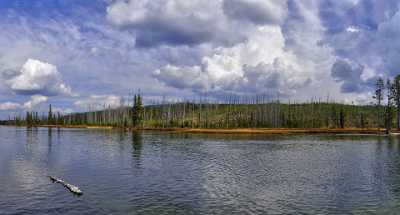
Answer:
(257, 111)
(387, 99)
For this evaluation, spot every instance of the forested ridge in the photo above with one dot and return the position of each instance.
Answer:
(236, 112)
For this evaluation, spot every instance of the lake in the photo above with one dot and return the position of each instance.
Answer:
(165, 173)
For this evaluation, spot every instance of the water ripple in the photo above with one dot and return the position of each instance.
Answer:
(159, 173)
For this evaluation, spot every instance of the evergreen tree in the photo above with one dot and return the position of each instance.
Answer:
(50, 116)
(137, 111)
(379, 90)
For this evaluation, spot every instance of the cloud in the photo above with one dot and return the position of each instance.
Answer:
(183, 77)
(387, 47)
(354, 77)
(95, 58)
(256, 11)
(352, 29)
(343, 70)
(255, 66)
(182, 22)
(223, 46)
(35, 100)
(99, 102)
(365, 38)
(276, 78)
(38, 77)
(289, 59)
(29, 105)
(173, 22)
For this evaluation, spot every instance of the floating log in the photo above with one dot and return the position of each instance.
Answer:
(70, 187)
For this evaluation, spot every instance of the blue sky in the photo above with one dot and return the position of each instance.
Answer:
(81, 54)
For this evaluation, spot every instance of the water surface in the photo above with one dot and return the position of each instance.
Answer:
(162, 173)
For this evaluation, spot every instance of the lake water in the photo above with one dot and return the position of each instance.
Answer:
(162, 173)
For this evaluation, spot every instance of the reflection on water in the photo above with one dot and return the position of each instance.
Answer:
(137, 145)
(166, 173)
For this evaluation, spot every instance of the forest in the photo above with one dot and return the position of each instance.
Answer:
(236, 112)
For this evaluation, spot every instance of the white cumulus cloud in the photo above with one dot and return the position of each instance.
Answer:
(259, 65)
(28, 105)
(35, 100)
(38, 77)
(183, 22)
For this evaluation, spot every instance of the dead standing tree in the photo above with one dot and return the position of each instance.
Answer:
(389, 105)
(396, 94)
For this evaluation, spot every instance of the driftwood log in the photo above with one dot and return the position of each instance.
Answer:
(70, 187)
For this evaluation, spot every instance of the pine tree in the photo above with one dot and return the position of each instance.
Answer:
(50, 116)
(137, 111)
(379, 90)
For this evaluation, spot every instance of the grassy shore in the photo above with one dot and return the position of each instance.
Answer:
(275, 131)
(77, 126)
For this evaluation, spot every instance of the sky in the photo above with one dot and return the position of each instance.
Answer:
(85, 54)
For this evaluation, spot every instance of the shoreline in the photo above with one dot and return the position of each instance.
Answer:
(273, 131)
